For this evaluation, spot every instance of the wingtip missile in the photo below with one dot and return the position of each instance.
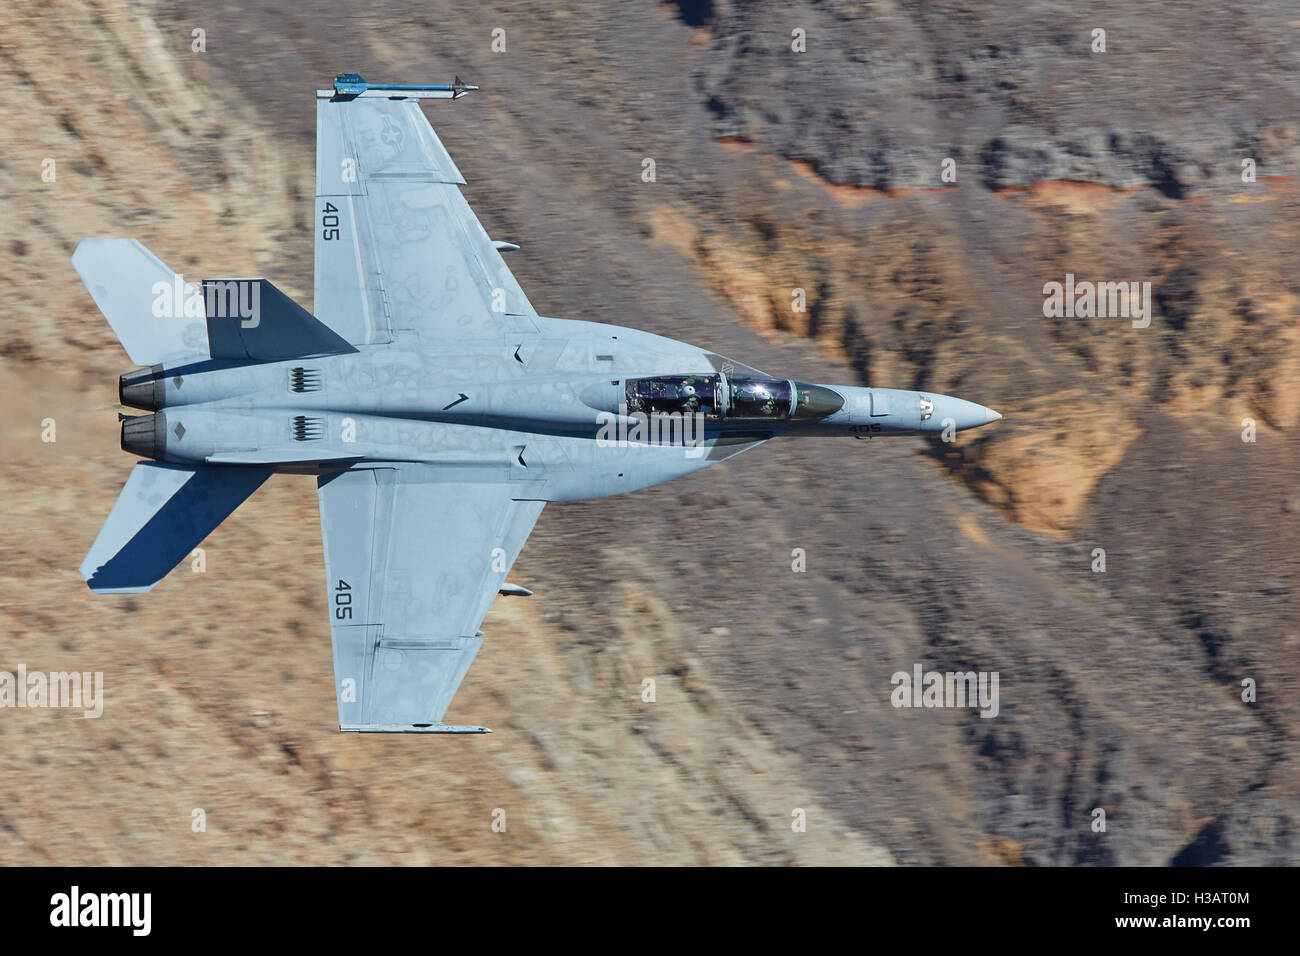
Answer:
(349, 86)
(460, 88)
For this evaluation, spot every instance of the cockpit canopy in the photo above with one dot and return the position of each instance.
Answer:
(731, 397)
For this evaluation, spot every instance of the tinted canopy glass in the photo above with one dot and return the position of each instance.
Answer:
(815, 401)
(666, 394)
(735, 396)
(749, 397)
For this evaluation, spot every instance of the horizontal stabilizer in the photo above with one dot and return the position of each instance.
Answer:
(252, 319)
(163, 513)
(155, 314)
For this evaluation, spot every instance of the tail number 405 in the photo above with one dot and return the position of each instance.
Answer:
(343, 601)
(329, 221)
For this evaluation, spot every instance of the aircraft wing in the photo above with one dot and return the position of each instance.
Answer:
(414, 558)
(398, 249)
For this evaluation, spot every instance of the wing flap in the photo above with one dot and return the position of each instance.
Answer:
(349, 291)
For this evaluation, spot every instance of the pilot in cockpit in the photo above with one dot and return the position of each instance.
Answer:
(691, 403)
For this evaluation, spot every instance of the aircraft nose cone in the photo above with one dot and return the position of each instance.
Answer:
(961, 413)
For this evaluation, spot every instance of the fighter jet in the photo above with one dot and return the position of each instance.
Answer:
(437, 410)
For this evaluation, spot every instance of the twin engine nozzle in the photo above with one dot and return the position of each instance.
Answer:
(142, 388)
(145, 435)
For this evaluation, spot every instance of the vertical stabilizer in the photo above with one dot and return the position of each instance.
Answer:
(157, 316)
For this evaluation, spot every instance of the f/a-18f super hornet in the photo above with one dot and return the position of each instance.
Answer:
(438, 411)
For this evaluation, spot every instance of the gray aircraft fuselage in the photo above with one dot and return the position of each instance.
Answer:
(535, 413)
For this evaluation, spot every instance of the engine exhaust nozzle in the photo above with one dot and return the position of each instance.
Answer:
(145, 435)
(142, 388)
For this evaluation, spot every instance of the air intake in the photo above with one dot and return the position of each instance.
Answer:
(304, 380)
(308, 429)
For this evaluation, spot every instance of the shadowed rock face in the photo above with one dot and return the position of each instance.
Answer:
(775, 171)
(1017, 94)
